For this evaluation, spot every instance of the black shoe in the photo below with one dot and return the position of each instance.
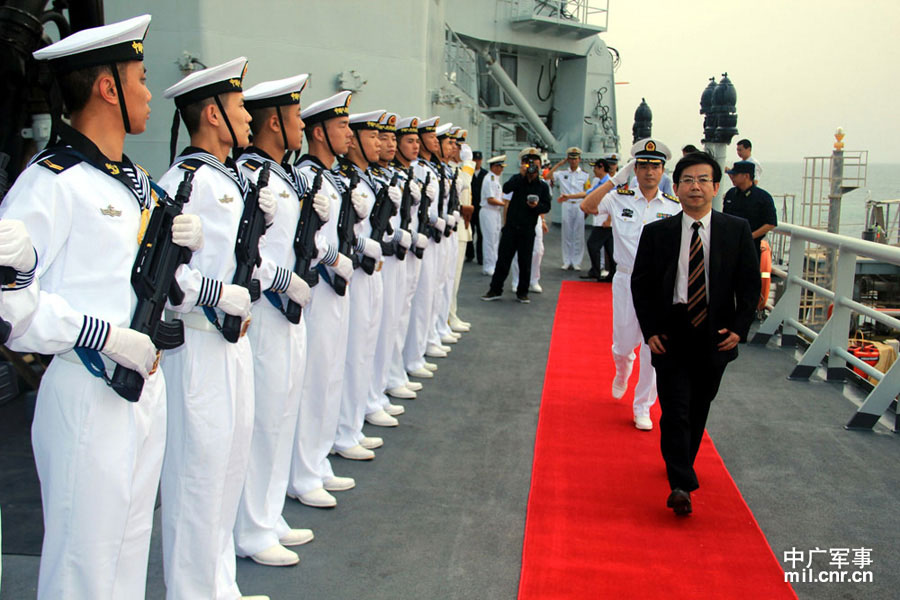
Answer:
(491, 296)
(680, 502)
(522, 298)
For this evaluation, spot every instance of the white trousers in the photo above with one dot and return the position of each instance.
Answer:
(393, 279)
(397, 372)
(626, 336)
(98, 458)
(537, 255)
(327, 323)
(572, 233)
(445, 299)
(366, 299)
(279, 364)
(422, 315)
(209, 383)
(460, 259)
(490, 220)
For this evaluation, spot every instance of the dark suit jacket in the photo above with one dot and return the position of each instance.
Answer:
(733, 281)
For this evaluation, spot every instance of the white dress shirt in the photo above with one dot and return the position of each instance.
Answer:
(684, 254)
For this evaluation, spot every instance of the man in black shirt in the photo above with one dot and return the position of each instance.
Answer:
(473, 248)
(530, 198)
(749, 201)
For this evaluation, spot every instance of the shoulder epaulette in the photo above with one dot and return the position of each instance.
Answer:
(624, 191)
(672, 198)
(191, 164)
(252, 164)
(345, 169)
(57, 162)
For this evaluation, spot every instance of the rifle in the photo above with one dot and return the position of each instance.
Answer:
(305, 246)
(346, 238)
(438, 235)
(246, 251)
(382, 211)
(452, 203)
(7, 276)
(424, 205)
(405, 206)
(153, 280)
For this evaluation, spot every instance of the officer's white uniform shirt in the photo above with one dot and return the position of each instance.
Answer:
(757, 169)
(568, 181)
(630, 211)
(491, 187)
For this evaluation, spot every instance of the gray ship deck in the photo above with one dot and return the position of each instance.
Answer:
(440, 512)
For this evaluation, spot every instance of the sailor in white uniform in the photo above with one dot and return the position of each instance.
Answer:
(209, 379)
(366, 292)
(572, 180)
(278, 345)
(327, 318)
(421, 321)
(85, 206)
(630, 210)
(463, 229)
(491, 215)
(454, 189)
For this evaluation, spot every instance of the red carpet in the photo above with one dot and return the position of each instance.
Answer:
(597, 525)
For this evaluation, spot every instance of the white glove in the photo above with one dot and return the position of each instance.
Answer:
(298, 290)
(421, 242)
(405, 239)
(624, 174)
(268, 204)
(372, 249)
(432, 190)
(131, 349)
(395, 194)
(358, 199)
(415, 191)
(465, 153)
(343, 266)
(187, 232)
(322, 206)
(440, 225)
(451, 221)
(460, 185)
(456, 215)
(235, 300)
(16, 250)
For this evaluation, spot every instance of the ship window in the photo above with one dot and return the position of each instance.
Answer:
(510, 64)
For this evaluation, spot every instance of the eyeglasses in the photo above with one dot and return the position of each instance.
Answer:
(689, 180)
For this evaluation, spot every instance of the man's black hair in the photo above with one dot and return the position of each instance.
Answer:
(75, 87)
(745, 143)
(259, 117)
(697, 158)
(190, 114)
(690, 148)
(602, 163)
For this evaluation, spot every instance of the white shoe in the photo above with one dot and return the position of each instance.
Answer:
(430, 366)
(455, 334)
(339, 484)
(357, 452)
(276, 556)
(487, 273)
(643, 422)
(449, 339)
(394, 409)
(459, 326)
(421, 373)
(317, 498)
(446, 349)
(620, 383)
(402, 392)
(536, 288)
(371, 442)
(576, 267)
(381, 419)
(297, 537)
(435, 352)
(413, 386)
(564, 267)
(604, 273)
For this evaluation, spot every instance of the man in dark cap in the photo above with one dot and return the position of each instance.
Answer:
(473, 249)
(750, 201)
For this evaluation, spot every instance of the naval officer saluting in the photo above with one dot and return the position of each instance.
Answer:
(98, 456)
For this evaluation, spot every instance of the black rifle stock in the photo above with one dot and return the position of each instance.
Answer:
(305, 246)
(405, 207)
(382, 211)
(424, 205)
(346, 238)
(435, 233)
(452, 203)
(153, 280)
(246, 251)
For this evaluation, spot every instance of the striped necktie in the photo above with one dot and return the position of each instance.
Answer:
(696, 280)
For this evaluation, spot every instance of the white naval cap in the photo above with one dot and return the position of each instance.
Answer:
(501, 159)
(329, 108)
(388, 122)
(454, 132)
(281, 92)
(367, 121)
(530, 151)
(650, 150)
(444, 130)
(462, 135)
(429, 125)
(407, 125)
(113, 43)
(209, 82)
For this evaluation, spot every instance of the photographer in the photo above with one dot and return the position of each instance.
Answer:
(530, 198)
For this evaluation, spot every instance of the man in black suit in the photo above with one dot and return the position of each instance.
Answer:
(695, 285)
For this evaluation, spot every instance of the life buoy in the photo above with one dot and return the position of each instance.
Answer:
(765, 273)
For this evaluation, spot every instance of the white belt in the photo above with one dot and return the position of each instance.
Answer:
(198, 321)
(71, 357)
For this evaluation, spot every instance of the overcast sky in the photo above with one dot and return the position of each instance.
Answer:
(801, 68)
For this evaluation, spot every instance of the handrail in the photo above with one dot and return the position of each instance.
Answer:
(832, 340)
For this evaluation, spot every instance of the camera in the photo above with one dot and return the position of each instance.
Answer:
(532, 169)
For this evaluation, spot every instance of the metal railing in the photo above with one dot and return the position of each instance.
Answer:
(567, 12)
(460, 63)
(832, 339)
